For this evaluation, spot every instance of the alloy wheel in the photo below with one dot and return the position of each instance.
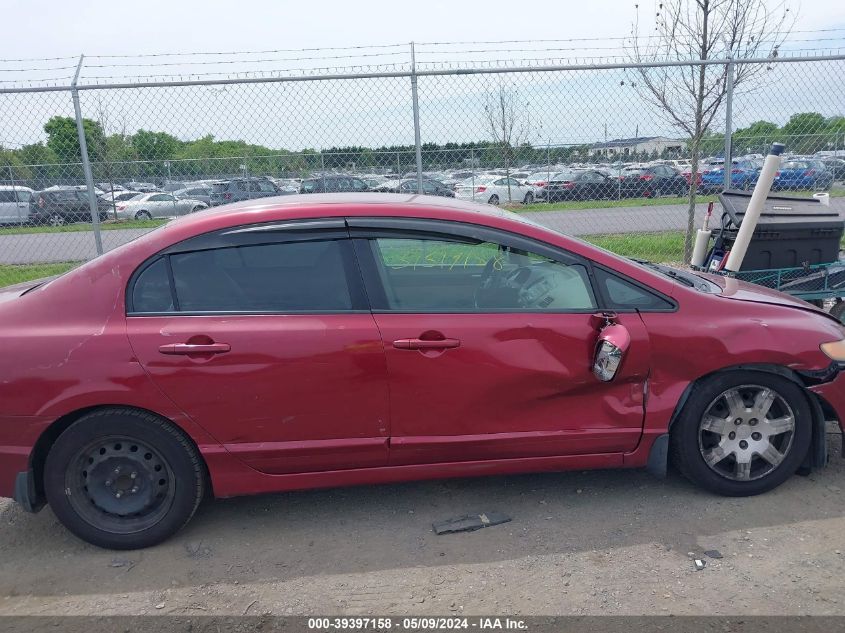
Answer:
(746, 432)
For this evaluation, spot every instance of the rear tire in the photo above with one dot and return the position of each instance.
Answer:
(143, 215)
(716, 460)
(494, 200)
(529, 198)
(57, 220)
(123, 479)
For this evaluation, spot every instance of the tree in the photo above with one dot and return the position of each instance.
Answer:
(155, 146)
(691, 96)
(755, 137)
(805, 132)
(508, 123)
(63, 139)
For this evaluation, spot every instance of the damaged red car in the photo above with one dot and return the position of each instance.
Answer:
(331, 340)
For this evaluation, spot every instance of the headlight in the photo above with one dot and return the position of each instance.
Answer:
(834, 350)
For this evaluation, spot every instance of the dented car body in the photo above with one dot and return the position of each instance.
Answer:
(350, 339)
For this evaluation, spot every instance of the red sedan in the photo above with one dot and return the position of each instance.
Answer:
(328, 340)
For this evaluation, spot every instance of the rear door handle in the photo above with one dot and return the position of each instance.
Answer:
(418, 343)
(195, 348)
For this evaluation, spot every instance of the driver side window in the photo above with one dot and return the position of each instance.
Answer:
(431, 275)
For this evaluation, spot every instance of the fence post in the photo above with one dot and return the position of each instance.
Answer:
(15, 193)
(86, 164)
(416, 104)
(729, 100)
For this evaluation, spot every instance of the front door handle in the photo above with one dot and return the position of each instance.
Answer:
(195, 348)
(419, 343)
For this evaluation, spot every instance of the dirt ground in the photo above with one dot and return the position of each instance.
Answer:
(580, 543)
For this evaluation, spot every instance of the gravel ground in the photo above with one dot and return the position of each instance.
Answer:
(600, 542)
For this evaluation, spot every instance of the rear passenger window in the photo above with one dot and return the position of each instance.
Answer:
(624, 295)
(152, 289)
(286, 277)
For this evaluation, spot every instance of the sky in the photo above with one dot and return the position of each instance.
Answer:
(562, 107)
(151, 26)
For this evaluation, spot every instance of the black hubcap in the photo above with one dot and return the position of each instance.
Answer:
(120, 484)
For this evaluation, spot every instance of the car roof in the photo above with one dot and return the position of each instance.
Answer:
(347, 204)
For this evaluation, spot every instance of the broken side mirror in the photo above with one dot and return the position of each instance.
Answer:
(611, 347)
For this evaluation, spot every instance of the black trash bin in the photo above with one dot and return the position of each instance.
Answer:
(791, 232)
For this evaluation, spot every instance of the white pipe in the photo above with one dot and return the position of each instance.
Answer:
(755, 208)
(699, 251)
(823, 198)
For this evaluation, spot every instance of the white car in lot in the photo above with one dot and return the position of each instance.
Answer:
(494, 189)
(146, 206)
(14, 204)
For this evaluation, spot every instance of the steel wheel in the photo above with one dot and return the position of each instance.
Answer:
(123, 478)
(746, 432)
(120, 484)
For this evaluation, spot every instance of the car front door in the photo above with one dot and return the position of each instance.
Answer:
(264, 338)
(489, 340)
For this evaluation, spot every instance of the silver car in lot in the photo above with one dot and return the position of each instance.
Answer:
(14, 204)
(157, 205)
(201, 192)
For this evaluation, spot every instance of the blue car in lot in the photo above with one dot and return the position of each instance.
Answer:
(744, 174)
(803, 174)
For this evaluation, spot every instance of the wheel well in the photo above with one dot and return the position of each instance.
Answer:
(817, 453)
(778, 370)
(45, 442)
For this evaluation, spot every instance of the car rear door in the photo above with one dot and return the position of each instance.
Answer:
(263, 336)
(477, 373)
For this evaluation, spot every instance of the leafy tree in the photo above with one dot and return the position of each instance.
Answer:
(805, 132)
(155, 146)
(756, 138)
(63, 140)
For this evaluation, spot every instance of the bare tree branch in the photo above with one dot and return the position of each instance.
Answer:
(692, 30)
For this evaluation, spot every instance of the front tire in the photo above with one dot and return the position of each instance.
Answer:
(123, 479)
(742, 433)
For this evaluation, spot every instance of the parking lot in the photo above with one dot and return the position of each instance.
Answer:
(579, 543)
(78, 246)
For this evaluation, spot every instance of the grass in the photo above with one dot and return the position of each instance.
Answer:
(575, 205)
(11, 274)
(664, 247)
(81, 227)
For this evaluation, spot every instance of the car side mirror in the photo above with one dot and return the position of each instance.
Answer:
(611, 347)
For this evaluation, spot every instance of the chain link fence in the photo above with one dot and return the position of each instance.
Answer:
(88, 166)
